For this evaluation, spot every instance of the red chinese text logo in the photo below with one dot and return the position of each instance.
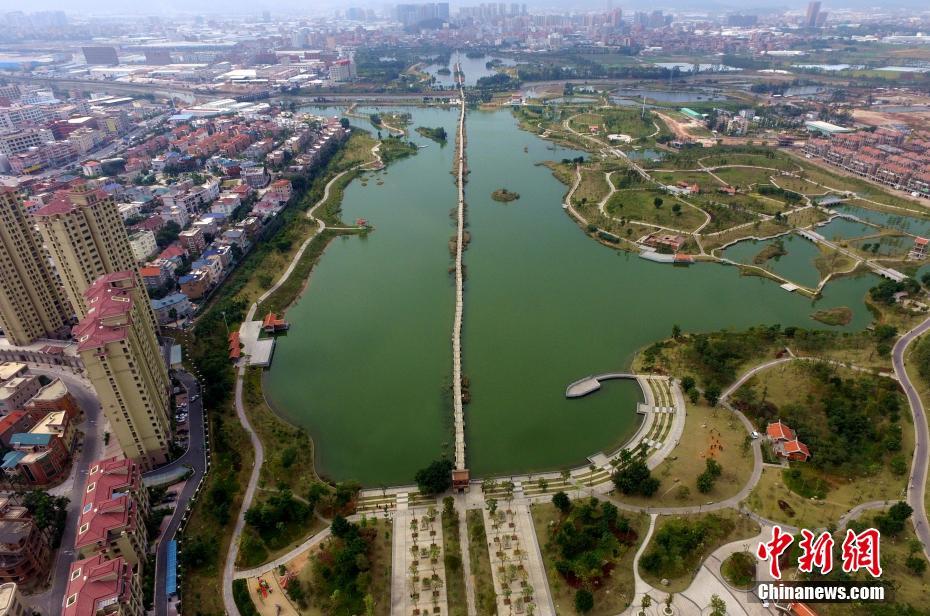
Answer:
(859, 551)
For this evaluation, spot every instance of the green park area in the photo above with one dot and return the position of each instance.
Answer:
(588, 548)
(656, 207)
(711, 433)
(679, 544)
(349, 573)
(856, 426)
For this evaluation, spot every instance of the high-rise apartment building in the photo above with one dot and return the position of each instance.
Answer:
(117, 343)
(31, 303)
(813, 10)
(84, 232)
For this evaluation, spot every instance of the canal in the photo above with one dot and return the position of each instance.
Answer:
(366, 364)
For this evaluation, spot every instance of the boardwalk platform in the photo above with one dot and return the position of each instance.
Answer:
(589, 384)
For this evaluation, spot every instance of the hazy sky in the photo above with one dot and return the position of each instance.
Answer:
(170, 7)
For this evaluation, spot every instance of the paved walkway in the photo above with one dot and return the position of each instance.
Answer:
(457, 404)
(418, 555)
(917, 484)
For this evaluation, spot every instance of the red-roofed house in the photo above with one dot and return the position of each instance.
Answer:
(272, 323)
(779, 432)
(113, 512)
(235, 350)
(919, 250)
(101, 587)
(793, 450)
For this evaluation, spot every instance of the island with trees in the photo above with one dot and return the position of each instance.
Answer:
(503, 195)
(437, 134)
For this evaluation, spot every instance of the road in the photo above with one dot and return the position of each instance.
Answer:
(49, 602)
(917, 484)
(196, 459)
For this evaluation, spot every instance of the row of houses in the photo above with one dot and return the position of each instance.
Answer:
(111, 542)
(37, 427)
(885, 156)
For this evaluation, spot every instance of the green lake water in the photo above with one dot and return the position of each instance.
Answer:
(366, 364)
(797, 266)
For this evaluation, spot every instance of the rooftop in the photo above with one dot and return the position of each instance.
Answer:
(105, 505)
(94, 584)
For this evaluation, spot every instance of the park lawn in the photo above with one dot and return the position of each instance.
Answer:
(742, 202)
(485, 597)
(723, 158)
(628, 121)
(887, 246)
(740, 527)
(637, 204)
(704, 426)
(617, 592)
(800, 185)
(832, 261)
(701, 178)
(711, 238)
(845, 493)
(455, 577)
(593, 187)
(742, 177)
(584, 121)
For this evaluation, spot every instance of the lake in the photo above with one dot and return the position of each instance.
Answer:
(366, 365)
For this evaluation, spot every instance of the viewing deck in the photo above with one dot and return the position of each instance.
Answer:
(589, 384)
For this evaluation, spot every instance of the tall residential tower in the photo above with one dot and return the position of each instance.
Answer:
(117, 343)
(83, 230)
(31, 304)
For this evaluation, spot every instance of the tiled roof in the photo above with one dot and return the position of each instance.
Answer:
(106, 504)
(104, 302)
(96, 583)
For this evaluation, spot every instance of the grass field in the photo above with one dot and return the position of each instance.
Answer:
(593, 187)
(638, 204)
(709, 433)
(616, 594)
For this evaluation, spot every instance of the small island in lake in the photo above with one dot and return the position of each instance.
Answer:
(504, 196)
(840, 315)
(437, 134)
(444, 71)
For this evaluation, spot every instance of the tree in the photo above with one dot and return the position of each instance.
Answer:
(718, 606)
(657, 202)
(167, 234)
(48, 512)
(344, 122)
(687, 383)
(705, 483)
(916, 564)
(435, 478)
(633, 476)
(712, 395)
(584, 601)
(676, 331)
(562, 502)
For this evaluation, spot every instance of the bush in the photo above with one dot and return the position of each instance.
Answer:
(562, 502)
(584, 601)
(243, 600)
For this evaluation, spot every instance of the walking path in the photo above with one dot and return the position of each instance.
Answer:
(418, 581)
(917, 484)
(457, 405)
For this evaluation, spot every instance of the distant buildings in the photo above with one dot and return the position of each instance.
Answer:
(104, 55)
